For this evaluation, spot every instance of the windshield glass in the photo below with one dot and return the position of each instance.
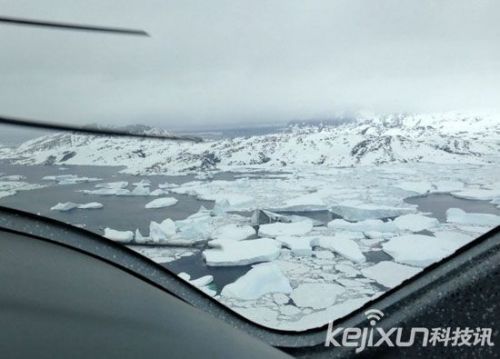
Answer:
(336, 162)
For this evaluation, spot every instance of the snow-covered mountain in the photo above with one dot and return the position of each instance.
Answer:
(436, 138)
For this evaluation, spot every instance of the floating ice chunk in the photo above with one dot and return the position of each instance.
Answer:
(119, 236)
(479, 194)
(310, 201)
(389, 274)
(119, 184)
(421, 187)
(455, 239)
(344, 246)
(221, 207)
(160, 232)
(140, 190)
(356, 210)
(417, 250)
(161, 202)
(108, 192)
(139, 238)
(70, 179)
(184, 276)
(202, 281)
(300, 246)
(63, 207)
(363, 226)
(243, 252)
(456, 215)
(233, 232)
(261, 279)
(316, 295)
(286, 229)
(415, 222)
(90, 205)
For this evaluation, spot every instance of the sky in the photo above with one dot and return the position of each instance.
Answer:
(240, 63)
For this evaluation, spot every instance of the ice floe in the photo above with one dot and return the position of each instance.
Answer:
(456, 215)
(119, 236)
(261, 279)
(344, 246)
(286, 229)
(415, 222)
(416, 249)
(300, 246)
(363, 226)
(70, 179)
(389, 274)
(354, 210)
(161, 202)
(242, 252)
(67, 206)
(233, 232)
(316, 295)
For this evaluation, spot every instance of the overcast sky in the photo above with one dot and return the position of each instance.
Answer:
(248, 62)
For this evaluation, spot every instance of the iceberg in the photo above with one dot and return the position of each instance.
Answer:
(316, 295)
(456, 215)
(286, 229)
(246, 252)
(119, 184)
(161, 202)
(119, 236)
(261, 279)
(415, 222)
(389, 274)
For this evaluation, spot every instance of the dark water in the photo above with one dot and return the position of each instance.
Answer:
(438, 204)
(119, 212)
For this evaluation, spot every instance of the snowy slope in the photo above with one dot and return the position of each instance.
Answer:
(436, 138)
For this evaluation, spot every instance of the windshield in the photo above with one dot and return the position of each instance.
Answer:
(299, 205)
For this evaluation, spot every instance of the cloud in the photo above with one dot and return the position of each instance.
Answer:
(225, 62)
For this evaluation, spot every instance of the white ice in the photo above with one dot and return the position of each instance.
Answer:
(316, 295)
(340, 244)
(389, 274)
(456, 215)
(415, 222)
(355, 210)
(233, 232)
(242, 252)
(416, 249)
(119, 236)
(261, 279)
(161, 202)
(363, 226)
(286, 229)
(300, 246)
